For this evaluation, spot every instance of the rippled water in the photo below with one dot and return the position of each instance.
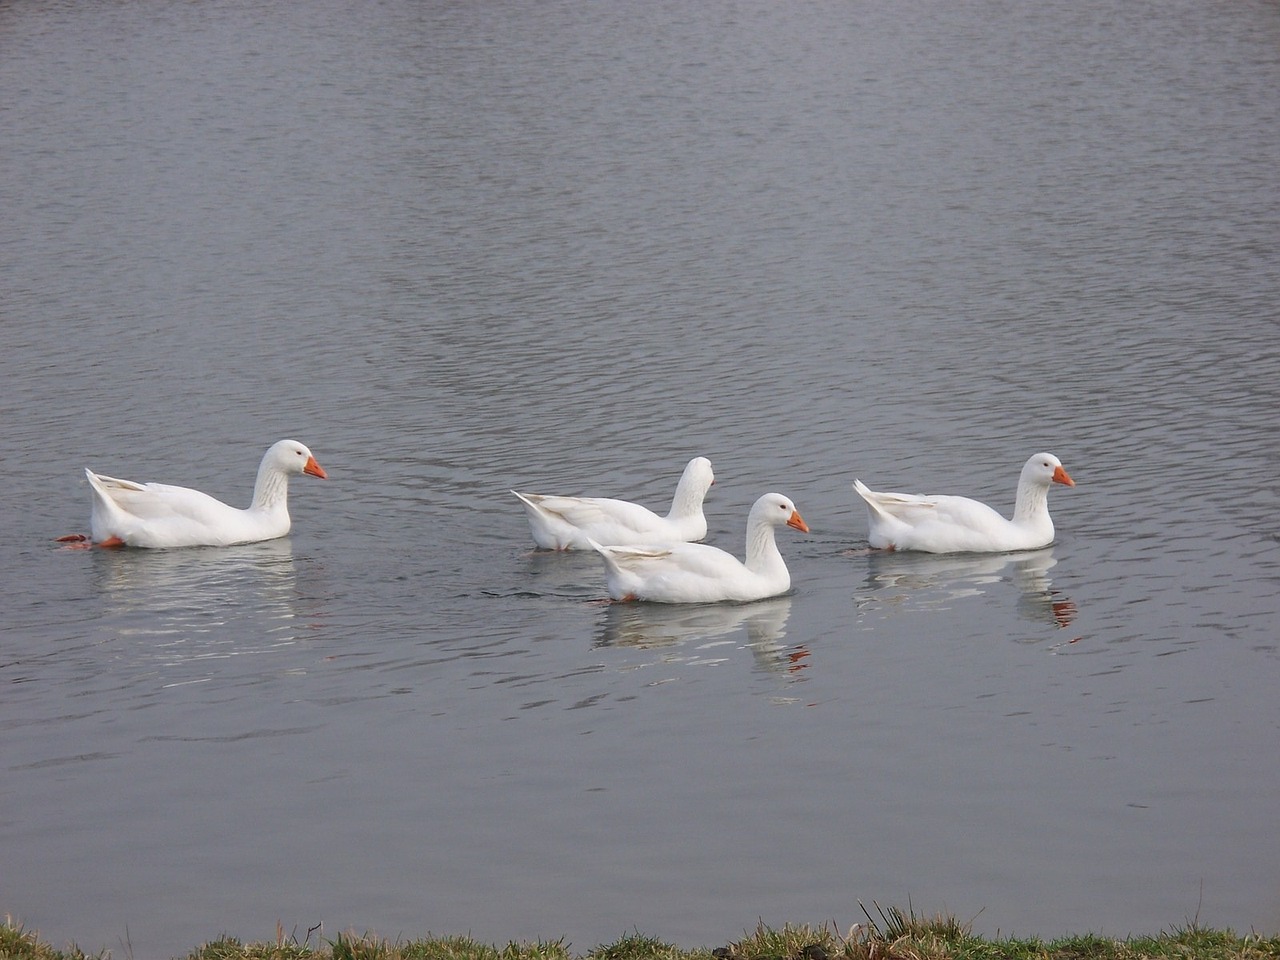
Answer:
(462, 248)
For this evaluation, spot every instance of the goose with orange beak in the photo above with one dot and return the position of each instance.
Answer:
(699, 573)
(129, 514)
(949, 524)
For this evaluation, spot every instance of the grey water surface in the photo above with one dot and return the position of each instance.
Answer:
(458, 248)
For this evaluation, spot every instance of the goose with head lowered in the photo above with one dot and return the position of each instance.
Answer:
(700, 573)
(570, 523)
(949, 524)
(132, 514)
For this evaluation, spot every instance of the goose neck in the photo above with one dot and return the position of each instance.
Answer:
(271, 490)
(686, 502)
(762, 547)
(1032, 503)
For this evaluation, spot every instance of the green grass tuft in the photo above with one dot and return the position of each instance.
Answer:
(229, 948)
(896, 925)
(636, 946)
(801, 942)
(891, 934)
(17, 944)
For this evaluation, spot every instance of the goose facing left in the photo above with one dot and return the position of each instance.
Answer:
(132, 514)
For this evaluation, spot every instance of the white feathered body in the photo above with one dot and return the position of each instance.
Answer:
(571, 523)
(158, 515)
(951, 524)
(700, 573)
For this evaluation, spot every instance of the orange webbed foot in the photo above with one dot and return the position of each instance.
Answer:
(78, 541)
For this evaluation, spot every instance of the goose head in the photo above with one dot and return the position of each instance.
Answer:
(776, 510)
(698, 475)
(1044, 469)
(290, 457)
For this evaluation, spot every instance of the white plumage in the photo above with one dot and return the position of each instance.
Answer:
(569, 523)
(949, 524)
(699, 573)
(132, 514)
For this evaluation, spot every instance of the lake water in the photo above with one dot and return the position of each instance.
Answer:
(459, 248)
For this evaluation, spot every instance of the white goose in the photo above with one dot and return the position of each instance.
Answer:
(699, 573)
(943, 524)
(569, 523)
(132, 514)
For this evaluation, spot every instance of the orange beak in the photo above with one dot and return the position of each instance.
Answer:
(316, 470)
(1060, 476)
(797, 521)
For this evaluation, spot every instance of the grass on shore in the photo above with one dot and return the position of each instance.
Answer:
(893, 936)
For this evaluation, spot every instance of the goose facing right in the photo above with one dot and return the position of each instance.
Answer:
(700, 573)
(156, 515)
(570, 523)
(950, 524)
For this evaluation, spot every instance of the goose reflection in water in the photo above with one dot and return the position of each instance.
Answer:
(646, 626)
(201, 603)
(919, 580)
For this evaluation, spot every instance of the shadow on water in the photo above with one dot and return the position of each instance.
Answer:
(760, 627)
(916, 581)
(182, 606)
(569, 574)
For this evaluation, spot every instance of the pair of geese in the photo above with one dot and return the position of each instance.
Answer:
(646, 556)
